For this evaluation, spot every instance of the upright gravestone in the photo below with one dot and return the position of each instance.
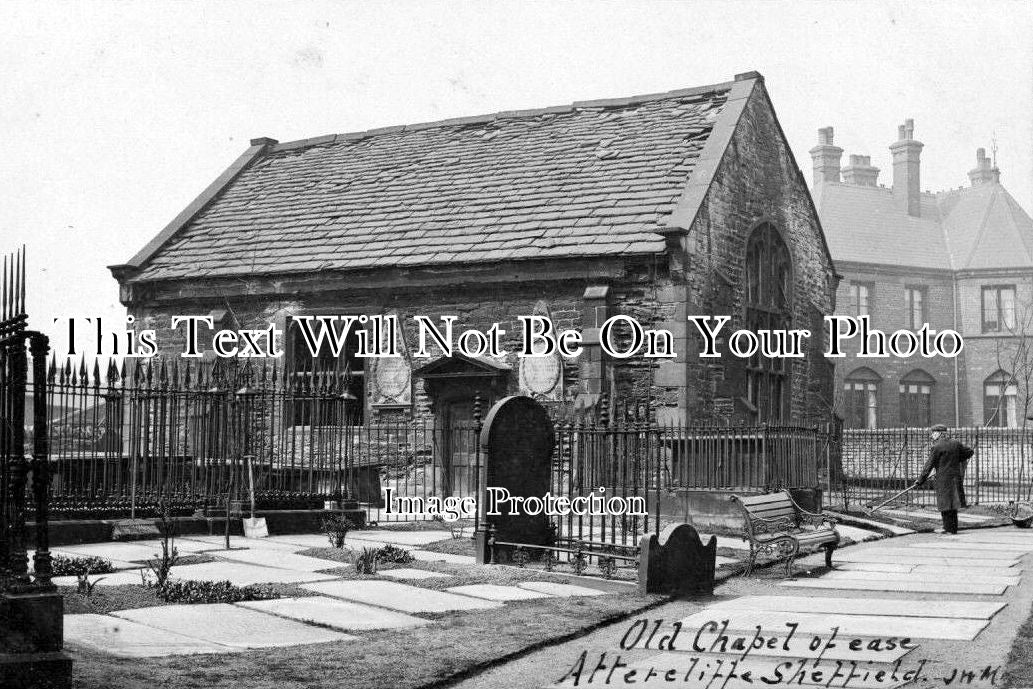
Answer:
(516, 443)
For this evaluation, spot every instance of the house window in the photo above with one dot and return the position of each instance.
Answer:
(998, 308)
(861, 399)
(769, 287)
(915, 307)
(861, 297)
(1000, 401)
(916, 397)
(319, 383)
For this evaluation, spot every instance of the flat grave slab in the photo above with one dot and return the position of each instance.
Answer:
(559, 590)
(901, 586)
(239, 542)
(954, 553)
(949, 572)
(895, 607)
(428, 556)
(127, 552)
(989, 538)
(242, 574)
(903, 556)
(412, 574)
(925, 576)
(401, 537)
(496, 592)
(231, 625)
(1012, 549)
(873, 567)
(397, 596)
(860, 625)
(119, 637)
(303, 541)
(719, 560)
(334, 612)
(279, 559)
(185, 546)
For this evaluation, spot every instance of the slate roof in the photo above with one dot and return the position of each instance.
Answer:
(591, 179)
(979, 227)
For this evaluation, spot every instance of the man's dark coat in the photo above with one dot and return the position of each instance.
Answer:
(948, 457)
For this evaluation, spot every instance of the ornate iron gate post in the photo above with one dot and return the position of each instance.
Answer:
(31, 609)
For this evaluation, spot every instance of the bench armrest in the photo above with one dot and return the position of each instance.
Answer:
(812, 518)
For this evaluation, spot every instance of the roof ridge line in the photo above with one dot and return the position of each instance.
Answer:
(501, 115)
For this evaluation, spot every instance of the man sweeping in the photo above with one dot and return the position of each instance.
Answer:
(949, 457)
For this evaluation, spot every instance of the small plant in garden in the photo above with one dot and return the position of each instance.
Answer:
(366, 562)
(164, 561)
(85, 586)
(394, 554)
(189, 591)
(64, 566)
(336, 528)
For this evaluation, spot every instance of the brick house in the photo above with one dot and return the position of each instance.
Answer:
(654, 206)
(957, 259)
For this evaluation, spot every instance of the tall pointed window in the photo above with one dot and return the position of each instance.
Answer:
(769, 306)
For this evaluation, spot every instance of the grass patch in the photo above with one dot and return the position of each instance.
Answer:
(403, 659)
(452, 546)
(1018, 670)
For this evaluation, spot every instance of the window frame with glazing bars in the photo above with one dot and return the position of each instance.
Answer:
(996, 325)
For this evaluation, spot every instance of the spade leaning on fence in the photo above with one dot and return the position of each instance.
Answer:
(949, 457)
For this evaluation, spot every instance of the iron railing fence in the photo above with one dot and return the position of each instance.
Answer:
(199, 433)
(877, 462)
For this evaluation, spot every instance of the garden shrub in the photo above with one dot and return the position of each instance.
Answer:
(190, 591)
(392, 553)
(64, 566)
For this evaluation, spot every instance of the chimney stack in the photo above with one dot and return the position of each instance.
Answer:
(826, 158)
(861, 172)
(906, 183)
(984, 172)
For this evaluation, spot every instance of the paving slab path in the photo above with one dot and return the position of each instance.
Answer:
(960, 608)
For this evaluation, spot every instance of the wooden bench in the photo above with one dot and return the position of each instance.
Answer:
(776, 524)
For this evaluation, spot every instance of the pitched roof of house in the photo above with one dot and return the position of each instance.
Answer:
(596, 178)
(965, 229)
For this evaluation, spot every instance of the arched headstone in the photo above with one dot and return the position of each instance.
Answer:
(517, 442)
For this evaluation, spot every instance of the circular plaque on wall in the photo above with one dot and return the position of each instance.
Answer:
(540, 374)
(393, 375)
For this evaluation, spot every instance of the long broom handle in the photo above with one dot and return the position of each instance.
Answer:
(892, 498)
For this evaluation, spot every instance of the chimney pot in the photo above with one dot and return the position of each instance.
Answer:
(984, 172)
(861, 172)
(826, 157)
(906, 168)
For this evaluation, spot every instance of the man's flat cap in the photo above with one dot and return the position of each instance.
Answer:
(938, 427)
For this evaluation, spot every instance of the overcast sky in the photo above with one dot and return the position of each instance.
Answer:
(116, 115)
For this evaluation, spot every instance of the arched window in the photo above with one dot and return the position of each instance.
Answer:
(1000, 400)
(861, 399)
(916, 398)
(769, 290)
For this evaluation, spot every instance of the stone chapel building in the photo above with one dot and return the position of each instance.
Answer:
(657, 207)
(958, 259)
